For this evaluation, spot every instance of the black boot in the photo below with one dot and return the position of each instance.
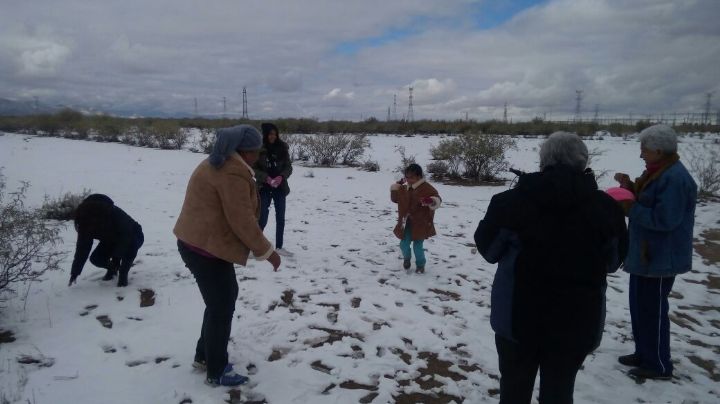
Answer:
(123, 279)
(644, 374)
(406, 263)
(632, 360)
(420, 270)
(109, 275)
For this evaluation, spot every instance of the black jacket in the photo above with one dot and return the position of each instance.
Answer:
(556, 237)
(97, 218)
(274, 160)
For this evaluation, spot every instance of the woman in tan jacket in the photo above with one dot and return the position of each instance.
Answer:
(218, 227)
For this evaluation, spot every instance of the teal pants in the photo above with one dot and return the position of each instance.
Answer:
(417, 247)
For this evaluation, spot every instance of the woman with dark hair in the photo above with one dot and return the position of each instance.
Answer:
(218, 227)
(97, 218)
(272, 171)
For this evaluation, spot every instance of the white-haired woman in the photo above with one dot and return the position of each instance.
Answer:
(661, 233)
(218, 227)
(555, 237)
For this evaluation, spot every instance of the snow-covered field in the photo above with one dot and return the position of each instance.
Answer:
(340, 323)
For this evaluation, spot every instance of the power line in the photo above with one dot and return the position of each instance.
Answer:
(578, 105)
(245, 105)
(411, 113)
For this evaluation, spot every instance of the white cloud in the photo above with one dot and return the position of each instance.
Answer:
(644, 56)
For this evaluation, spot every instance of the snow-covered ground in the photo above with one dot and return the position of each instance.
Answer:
(340, 323)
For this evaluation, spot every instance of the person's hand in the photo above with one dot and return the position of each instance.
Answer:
(623, 179)
(269, 180)
(401, 181)
(73, 279)
(277, 181)
(275, 260)
(426, 201)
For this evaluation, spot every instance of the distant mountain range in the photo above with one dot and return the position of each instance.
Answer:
(11, 107)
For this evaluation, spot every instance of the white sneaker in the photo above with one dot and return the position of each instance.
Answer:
(284, 252)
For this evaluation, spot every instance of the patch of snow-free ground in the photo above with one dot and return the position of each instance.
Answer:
(341, 322)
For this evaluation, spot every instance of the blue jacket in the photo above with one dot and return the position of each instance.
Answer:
(661, 225)
(555, 237)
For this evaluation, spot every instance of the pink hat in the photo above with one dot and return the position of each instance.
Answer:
(620, 194)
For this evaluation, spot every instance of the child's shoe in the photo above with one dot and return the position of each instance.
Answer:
(420, 270)
(406, 263)
(200, 364)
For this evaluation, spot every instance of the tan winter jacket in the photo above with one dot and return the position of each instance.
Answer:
(221, 210)
(410, 208)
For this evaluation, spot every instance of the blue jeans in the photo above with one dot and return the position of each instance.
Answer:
(277, 196)
(417, 247)
(650, 323)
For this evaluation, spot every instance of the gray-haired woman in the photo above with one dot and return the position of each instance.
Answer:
(218, 226)
(661, 234)
(555, 237)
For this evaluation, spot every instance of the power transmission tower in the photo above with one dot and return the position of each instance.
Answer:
(394, 108)
(708, 105)
(196, 107)
(388, 116)
(245, 109)
(224, 106)
(466, 117)
(505, 113)
(597, 113)
(37, 103)
(578, 105)
(411, 113)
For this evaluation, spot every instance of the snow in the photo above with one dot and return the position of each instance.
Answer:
(346, 278)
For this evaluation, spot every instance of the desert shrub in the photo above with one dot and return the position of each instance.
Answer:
(480, 157)
(405, 159)
(438, 170)
(206, 142)
(295, 146)
(329, 150)
(167, 135)
(371, 166)
(27, 241)
(62, 207)
(705, 165)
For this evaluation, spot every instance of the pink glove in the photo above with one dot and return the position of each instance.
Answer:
(427, 201)
(277, 181)
(269, 180)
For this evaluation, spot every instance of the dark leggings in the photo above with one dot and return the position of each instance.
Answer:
(219, 289)
(278, 197)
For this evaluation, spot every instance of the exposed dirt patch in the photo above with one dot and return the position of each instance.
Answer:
(39, 360)
(355, 302)
(332, 337)
(328, 389)
(369, 398)
(321, 367)
(427, 398)
(287, 300)
(88, 309)
(132, 364)
(109, 349)
(277, 354)
(161, 359)
(445, 295)
(6, 337)
(708, 365)
(353, 385)
(147, 297)
(105, 321)
(709, 248)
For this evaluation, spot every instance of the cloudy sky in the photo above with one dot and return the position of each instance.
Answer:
(346, 59)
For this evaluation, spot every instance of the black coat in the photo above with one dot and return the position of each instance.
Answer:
(97, 218)
(556, 237)
(274, 160)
